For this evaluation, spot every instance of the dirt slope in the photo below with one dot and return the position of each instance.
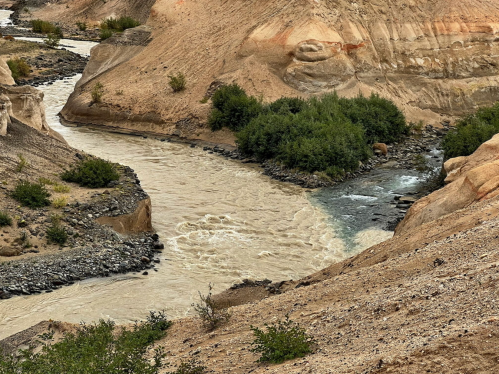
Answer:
(435, 58)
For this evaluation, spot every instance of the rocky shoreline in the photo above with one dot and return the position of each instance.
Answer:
(401, 155)
(93, 250)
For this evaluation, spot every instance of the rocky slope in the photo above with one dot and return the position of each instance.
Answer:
(434, 58)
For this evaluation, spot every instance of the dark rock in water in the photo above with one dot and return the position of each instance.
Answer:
(155, 237)
(145, 273)
(158, 245)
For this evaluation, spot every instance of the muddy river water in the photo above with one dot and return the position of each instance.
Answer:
(221, 221)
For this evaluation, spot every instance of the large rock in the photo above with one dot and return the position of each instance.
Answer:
(5, 74)
(470, 179)
(5, 114)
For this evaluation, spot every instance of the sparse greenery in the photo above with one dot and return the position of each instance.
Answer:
(44, 27)
(93, 349)
(105, 34)
(119, 24)
(33, 195)
(60, 202)
(61, 188)
(22, 163)
(19, 68)
(282, 341)
(5, 219)
(82, 26)
(46, 181)
(177, 82)
(211, 314)
(52, 40)
(189, 367)
(471, 131)
(97, 92)
(94, 173)
(56, 234)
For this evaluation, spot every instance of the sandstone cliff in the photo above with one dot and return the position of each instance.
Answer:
(434, 58)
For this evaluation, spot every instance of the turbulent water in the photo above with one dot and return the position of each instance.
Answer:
(221, 222)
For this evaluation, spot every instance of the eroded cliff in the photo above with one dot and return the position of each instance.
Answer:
(435, 58)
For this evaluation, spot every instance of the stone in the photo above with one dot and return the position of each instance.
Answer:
(380, 148)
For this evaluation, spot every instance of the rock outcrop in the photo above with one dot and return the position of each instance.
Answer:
(5, 74)
(469, 180)
(435, 59)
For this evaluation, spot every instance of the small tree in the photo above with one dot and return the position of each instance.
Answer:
(52, 40)
(211, 314)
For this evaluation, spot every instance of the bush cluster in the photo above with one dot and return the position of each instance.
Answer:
(19, 68)
(211, 314)
(282, 341)
(471, 131)
(44, 27)
(33, 195)
(82, 26)
(97, 92)
(326, 134)
(52, 40)
(93, 173)
(93, 349)
(119, 24)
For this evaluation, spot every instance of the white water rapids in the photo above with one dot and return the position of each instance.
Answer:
(221, 221)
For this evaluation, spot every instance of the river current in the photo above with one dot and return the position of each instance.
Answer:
(221, 222)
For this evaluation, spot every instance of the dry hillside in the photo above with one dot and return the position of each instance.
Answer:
(435, 58)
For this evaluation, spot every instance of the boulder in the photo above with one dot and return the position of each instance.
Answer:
(5, 74)
(381, 148)
(470, 179)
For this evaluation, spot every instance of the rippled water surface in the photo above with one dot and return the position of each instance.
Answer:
(221, 222)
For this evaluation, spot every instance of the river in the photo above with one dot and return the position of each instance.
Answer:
(221, 222)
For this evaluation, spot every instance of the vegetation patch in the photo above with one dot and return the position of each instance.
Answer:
(97, 92)
(18, 68)
(94, 349)
(119, 24)
(56, 234)
(177, 82)
(324, 134)
(60, 202)
(33, 195)
(82, 26)
(471, 131)
(211, 314)
(5, 219)
(189, 367)
(93, 173)
(281, 341)
(44, 27)
(105, 34)
(52, 40)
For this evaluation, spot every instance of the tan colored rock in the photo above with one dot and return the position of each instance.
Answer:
(5, 114)
(471, 179)
(435, 59)
(136, 222)
(5, 74)
(380, 147)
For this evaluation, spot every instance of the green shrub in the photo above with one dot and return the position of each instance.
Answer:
(33, 195)
(282, 341)
(23, 163)
(60, 202)
(119, 24)
(232, 108)
(471, 131)
(5, 219)
(94, 173)
(177, 82)
(52, 40)
(286, 105)
(82, 26)
(92, 349)
(44, 27)
(210, 313)
(318, 138)
(105, 34)
(19, 68)
(56, 234)
(189, 367)
(382, 120)
(97, 92)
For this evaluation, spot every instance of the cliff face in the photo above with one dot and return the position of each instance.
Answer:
(434, 58)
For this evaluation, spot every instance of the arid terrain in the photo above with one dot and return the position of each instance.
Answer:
(435, 59)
